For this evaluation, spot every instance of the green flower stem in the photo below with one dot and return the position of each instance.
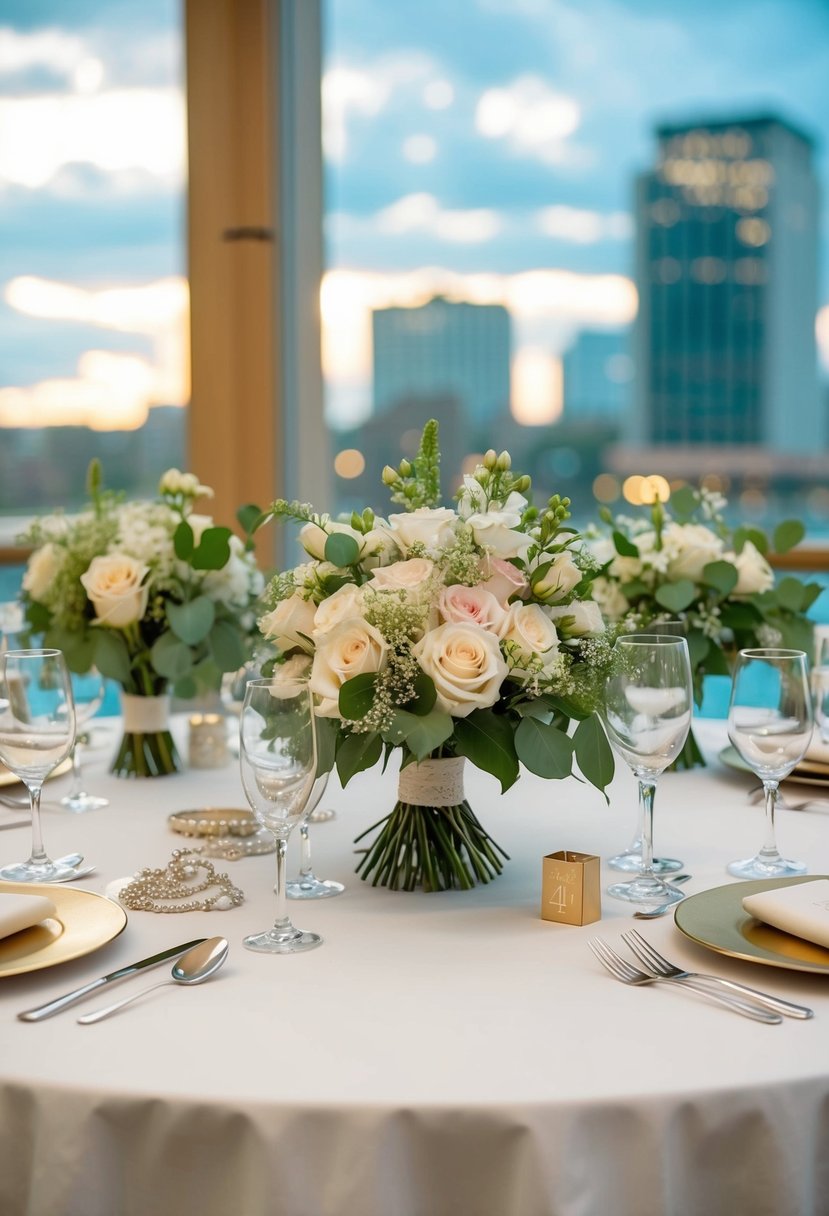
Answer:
(146, 755)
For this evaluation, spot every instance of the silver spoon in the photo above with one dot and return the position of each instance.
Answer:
(193, 967)
(661, 909)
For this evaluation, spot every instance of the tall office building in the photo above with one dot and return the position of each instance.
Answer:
(443, 349)
(597, 372)
(727, 257)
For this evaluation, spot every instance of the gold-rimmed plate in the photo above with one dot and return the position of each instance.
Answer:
(717, 919)
(808, 772)
(9, 778)
(83, 922)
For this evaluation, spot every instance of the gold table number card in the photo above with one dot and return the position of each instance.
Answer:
(571, 888)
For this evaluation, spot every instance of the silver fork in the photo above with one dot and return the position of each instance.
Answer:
(622, 970)
(654, 962)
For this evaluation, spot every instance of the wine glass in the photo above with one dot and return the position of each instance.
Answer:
(306, 885)
(630, 859)
(37, 732)
(820, 690)
(88, 691)
(278, 758)
(647, 716)
(770, 725)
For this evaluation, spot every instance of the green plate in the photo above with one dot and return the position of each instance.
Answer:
(716, 919)
(807, 772)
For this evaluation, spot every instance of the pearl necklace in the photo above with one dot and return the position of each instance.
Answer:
(181, 880)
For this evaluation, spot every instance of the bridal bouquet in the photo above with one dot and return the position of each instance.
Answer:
(156, 597)
(681, 563)
(450, 634)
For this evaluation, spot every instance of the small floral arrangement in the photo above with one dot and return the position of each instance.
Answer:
(681, 562)
(446, 633)
(155, 596)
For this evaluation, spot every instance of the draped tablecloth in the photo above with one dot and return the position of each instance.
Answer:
(441, 1053)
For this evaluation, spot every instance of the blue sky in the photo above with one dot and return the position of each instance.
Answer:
(470, 146)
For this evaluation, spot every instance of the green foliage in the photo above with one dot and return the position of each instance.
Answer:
(788, 534)
(356, 753)
(341, 549)
(593, 754)
(191, 622)
(624, 547)
(676, 596)
(357, 697)
(543, 749)
(487, 739)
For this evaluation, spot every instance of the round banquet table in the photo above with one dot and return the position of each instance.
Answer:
(441, 1053)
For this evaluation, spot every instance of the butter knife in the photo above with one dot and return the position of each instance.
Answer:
(62, 1002)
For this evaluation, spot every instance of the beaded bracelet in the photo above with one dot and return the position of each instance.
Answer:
(187, 874)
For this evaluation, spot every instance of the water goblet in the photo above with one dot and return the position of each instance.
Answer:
(278, 759)
(820, 690)
(306, 885)
(647, 716)
(88, 691)
(630, 859)
(37, 732)
(770, 725)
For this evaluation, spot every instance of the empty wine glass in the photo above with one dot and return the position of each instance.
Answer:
(820, 690)
(647, 716)
(630, 859)
(306, 885)
(770, 725)
(278, 758)
(88, 691)
(37, 732)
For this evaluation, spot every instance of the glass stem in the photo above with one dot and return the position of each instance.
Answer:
(282, 921)
(39, 856)
(647, 789)
(305, 851)
(77, 779)
(769, 849)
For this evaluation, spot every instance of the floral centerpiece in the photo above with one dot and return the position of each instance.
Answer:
(158, 598)
(681, 562)
(448, 634)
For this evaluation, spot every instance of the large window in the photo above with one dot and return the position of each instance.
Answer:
(593, 232)
(93, 293)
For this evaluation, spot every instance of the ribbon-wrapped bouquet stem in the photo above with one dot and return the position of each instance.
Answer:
(446, 634)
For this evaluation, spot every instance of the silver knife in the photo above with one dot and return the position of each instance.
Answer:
(61, 1002)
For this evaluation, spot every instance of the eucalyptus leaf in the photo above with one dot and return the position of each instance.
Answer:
(624, 547)
(720, 575)
(788, 534)
(248, 517)
(357, 752)
(593, 753)
(341, 549)
(328, 730)
(112, 658)
(425, 695)
(170, 657)
(226, 646)
(698, 647)
(193, 621)
(186, 688)
(757, 538)
(213, 549)
(487, 740)
(634, 590)
(789, 594)
(676, 596)
(683, 503)
(543, 749)
(422, 734)
(183, 541)
(357, 696)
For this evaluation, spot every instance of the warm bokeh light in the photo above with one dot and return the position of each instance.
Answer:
(644, 491)
(349, 463)
(632, 489)
(606, 488)
(537, 387)
(822, 334)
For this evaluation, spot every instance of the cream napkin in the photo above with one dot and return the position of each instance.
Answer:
(22, 911)
(801, 909)
(817, 749)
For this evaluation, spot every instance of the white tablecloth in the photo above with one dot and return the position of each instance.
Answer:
(444, 1053)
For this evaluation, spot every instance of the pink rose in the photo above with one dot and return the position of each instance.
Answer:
(470, 605)
(504, 580)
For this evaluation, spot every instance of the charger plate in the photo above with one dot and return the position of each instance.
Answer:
(84, 921)
(9, 778)
(808, 772)
(717, 920)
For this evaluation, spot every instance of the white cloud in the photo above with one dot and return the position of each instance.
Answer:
(117, 131)
(420, 149)
(423, 213)
(583, 227)
(54, 49)
(534, 119)
(349, 92)
(438, 95)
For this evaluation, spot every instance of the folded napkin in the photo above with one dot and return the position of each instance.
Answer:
(22, 911)
(817, 749)
(801, 909)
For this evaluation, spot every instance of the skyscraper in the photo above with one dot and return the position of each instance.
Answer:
(443, 349)
(598, 371)
(727, 255)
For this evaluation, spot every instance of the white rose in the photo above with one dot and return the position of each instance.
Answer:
(291, 623)
(474, 501)
(612, 601)
(297, 667)
(690, 547)
(471, 604)
(496, 532)
(579, 620)
(466, 665)
(412, 576)
(562, 576)
(529, 634)
(755, 574)
(41, 570)
(113, 584)
(378, 548)
(344, 604)
(312, 537)
(432, 527)
(351, 649)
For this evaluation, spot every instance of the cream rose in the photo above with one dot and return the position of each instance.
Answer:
(350, 649)
(496, 532)
(431, 527)
(113, 584)
(465, 664)
(562, 576)
(470, 604)
(291, 624)
(755, 574)
(345, 604)
(41, 570)
(612, 601)
(578, 620)
(504, 580)
(529, 633)
(411, 576)
(689, 548)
